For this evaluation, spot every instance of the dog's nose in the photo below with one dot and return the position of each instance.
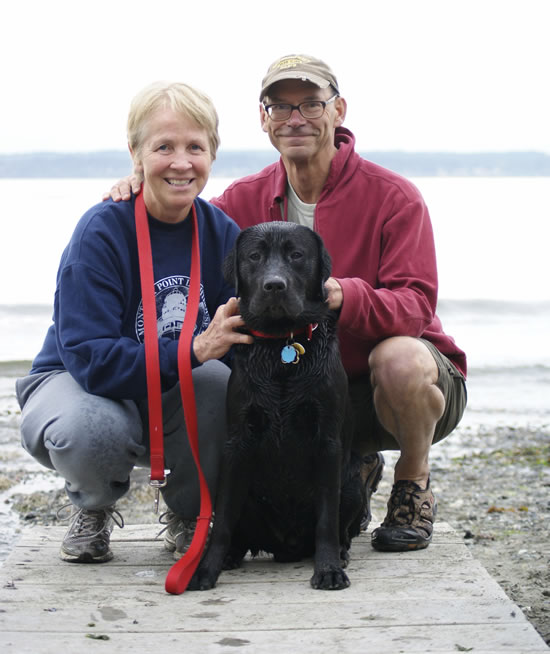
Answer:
(274, 283)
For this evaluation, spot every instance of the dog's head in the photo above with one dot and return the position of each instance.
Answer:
(279, 272)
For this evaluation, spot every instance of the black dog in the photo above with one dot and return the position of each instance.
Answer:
(289, 483)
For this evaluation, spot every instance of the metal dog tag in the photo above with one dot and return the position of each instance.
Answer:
(289, 354)
(299, 348)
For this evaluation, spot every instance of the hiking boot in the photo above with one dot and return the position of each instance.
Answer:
(372, 469)
(178, 533)
(408, 525)
(88, 537)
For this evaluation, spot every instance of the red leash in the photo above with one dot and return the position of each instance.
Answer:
(156, 435)
(180, 573)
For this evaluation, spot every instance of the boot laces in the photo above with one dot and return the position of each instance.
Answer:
(405, 500)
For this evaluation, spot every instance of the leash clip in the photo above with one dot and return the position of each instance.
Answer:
(156, 485)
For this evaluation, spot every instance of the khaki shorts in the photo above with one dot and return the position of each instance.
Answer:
(370, 436)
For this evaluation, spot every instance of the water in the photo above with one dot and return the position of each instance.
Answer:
(491, 235)
(508, 359)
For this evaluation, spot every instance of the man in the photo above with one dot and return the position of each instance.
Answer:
(407, 377)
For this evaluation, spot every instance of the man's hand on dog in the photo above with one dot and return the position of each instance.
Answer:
(335, 294)
(221, 333)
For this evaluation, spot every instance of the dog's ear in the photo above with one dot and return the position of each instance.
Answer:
(325, 266)
(231, 266)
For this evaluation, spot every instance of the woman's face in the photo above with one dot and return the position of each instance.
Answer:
(176, 161)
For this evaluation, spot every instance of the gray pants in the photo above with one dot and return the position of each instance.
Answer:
(94, 442)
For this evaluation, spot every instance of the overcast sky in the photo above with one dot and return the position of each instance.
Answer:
(418, 75)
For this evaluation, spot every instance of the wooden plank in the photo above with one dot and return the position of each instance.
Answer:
(191, 615)
(154, 553)
(250, 573)
(38, 534)
(367, 640)
(448, 586)
(447, 602)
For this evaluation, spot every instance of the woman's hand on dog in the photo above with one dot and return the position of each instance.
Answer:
(221, 333)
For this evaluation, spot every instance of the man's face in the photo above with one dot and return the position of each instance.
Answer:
(297, 138)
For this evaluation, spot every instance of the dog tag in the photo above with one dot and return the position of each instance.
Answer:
(299, 348)
(289, 354)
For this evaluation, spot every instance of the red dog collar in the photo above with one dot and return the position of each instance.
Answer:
(307, 330)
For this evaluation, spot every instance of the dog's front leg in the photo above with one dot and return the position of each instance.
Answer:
(328, 572)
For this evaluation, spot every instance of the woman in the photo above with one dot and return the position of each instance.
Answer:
(84, 403)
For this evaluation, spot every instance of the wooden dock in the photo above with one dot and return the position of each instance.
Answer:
(435, 600)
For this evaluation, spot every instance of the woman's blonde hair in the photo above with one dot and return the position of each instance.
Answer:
(179, 97)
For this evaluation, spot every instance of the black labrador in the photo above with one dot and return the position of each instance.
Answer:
(289, 483)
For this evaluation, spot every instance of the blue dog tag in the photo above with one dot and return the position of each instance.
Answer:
(288, 354)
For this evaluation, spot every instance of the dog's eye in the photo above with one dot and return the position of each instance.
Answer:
(254, 256)
(296, 254)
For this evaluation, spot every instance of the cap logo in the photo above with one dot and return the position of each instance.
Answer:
(290, 62)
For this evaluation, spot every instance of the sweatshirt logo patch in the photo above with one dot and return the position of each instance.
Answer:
(171, 295)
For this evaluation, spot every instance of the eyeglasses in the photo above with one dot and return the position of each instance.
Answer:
(310, 109)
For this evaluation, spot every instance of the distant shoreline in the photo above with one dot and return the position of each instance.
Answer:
(445, 304)
(115, 164)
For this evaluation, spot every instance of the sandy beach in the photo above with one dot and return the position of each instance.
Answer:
(492, 485)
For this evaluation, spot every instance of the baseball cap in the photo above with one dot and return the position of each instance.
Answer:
(299, 66)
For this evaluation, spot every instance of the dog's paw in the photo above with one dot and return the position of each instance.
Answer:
(344, 557)
(330, 578)
(202, 580)
(232, 562)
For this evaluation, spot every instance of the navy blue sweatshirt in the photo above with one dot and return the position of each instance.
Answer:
(97, 333)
